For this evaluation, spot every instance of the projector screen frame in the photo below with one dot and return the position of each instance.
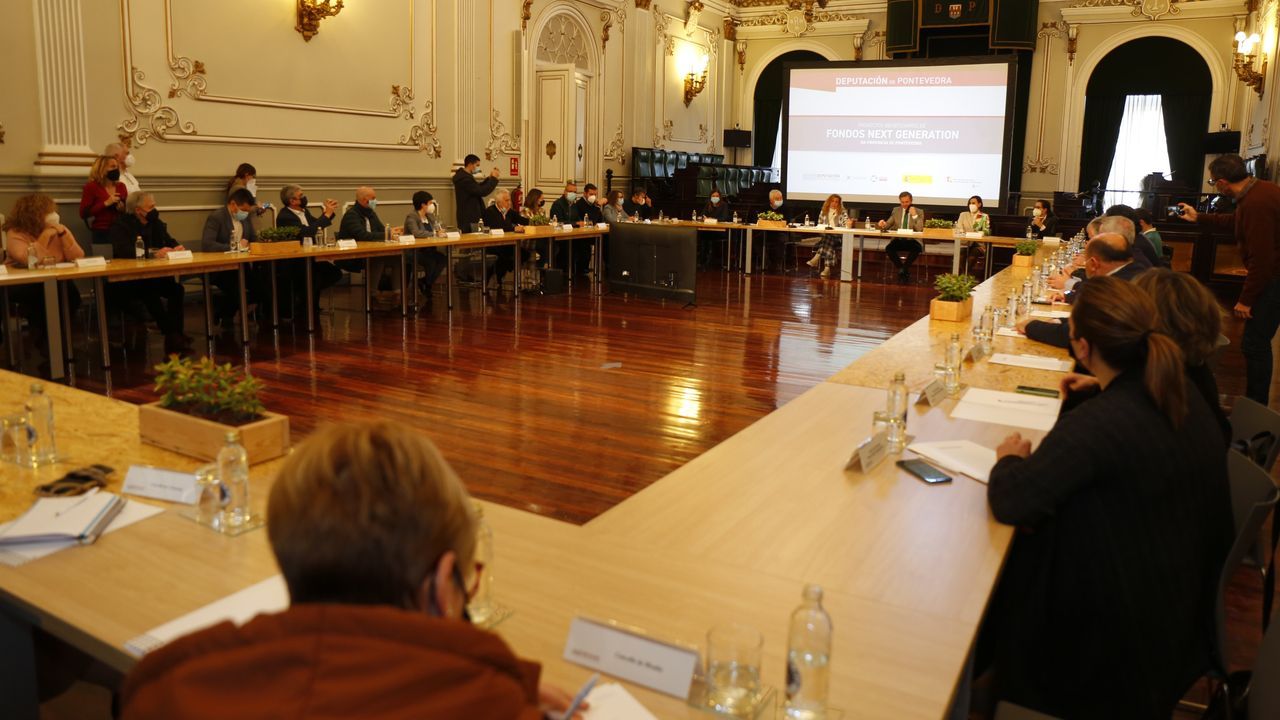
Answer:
(1011, 61)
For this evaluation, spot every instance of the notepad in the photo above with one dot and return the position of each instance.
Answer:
(18, 555)
(80, 519)
(611, 701)
(1004, 408)
(270, 595)
(962, 456)
(1008, 332)
(1035, 362)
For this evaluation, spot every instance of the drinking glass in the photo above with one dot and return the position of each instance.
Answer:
(733, 669)
(211, 497)
(17, 439)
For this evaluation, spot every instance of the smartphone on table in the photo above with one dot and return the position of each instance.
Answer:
(924, 471)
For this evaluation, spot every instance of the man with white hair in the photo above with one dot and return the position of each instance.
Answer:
(501, 216)
(124, 157)
(162, 296)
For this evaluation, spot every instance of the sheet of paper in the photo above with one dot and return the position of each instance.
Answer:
(1015, 410)
(962, 456)
(270, 595)
(611, 701)
(59, 518)
(131, 513)
(1008, 332)
(1035, 362)
(1050, 314)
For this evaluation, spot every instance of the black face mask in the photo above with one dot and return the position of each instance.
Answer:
(302, 202)
(114, 176)
(153, 216)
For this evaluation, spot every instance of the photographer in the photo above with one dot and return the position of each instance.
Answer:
(1256, 225)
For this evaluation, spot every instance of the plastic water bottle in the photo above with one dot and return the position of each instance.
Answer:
(44, 450)
(954, 354)
(694, 216)
(808, 658)
(897, 411)
(736, 219)
(868, 222)
(806, 220)
(1026, 296)
(139, 248)
(233, 473)
(32, 260)
(481, 606)
(480, 228)
(1028, 232)
(1011, 310)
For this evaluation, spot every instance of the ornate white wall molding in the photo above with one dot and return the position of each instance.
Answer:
(64, 112)
(1049, 32)
(500, 141)
(1113, 11)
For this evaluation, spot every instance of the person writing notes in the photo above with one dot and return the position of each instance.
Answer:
(906, 216)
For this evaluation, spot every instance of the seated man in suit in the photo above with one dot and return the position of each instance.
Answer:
(229, 228)
(294, 213)
(375, 536)
(640, 206)
(361, 221)
(564, 209)
(1144, 253)
(502, 216)
(589, 211)
(1106, 255)
(907, 216)
(161, 296)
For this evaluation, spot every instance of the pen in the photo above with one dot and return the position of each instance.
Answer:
(582, 695)
(77, 503)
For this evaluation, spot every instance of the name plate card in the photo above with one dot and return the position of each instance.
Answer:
(408, 239)
(978, 353)
(91, 262)
(497, 231)
(870, 453)
(347, 244)
(453, 235)
(627, 654)
(933, 393)
(602, 226)
(973, 236)
(178, 255)
(710, 221)
(4, 269)
(168, 485)
(905, 231)
(567, 227)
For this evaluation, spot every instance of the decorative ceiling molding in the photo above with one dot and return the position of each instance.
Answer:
(800, 23)
(526, 13)
(606, 17)
(1108, 11)
(691, 20)
(188, 78)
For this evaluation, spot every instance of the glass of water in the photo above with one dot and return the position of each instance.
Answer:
(17, 438)
(733, 669)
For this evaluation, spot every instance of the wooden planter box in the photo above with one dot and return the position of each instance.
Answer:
(265, 439)
(1024, 261)
(950, 311)
(771, 223)
(282, 247)
(536, 230)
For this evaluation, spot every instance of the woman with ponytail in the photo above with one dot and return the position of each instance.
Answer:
(1124, 514)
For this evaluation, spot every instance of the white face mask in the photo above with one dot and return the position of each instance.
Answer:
(973, 207)
(715, 200)
(776, 204)
(591, 198)
(1035, 212)
(571, 196)
(477, 172)
(52, 220)
(128, 160)
(431, 208)
(252, 187)
(619, 202)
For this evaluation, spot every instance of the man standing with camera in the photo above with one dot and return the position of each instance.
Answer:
(1256, 225)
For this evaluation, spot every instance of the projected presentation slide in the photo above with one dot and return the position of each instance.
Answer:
(869, 133)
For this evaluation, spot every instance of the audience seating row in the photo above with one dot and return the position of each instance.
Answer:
(650, 163)
(730, 180)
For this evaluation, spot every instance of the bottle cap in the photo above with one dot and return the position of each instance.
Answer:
(37, 388)
(899, 376)
(813, 592)
(233, 436)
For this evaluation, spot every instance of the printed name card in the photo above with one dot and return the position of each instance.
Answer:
(408, 239)
(497, 231)
(168, 485)
(631, 656)
(4, 269)
(178, 255)
(710, 221)
(602, 226)
(973, 236)
(933, 393)
(978, 352)
(453, 235)
(91, 262)
(870, 453)
(567, 227)
(347, 244)
(905, 231)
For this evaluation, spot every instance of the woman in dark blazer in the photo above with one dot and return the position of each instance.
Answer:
(1124, 518)
(1043, 222)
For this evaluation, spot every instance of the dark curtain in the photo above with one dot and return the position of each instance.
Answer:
(1102, 116)
(768, 103)
(1185, 119)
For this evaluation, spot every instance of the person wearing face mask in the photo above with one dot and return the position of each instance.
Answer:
(35, 229)
(295, 212)
(534, 204)
(361, 221)
(716, 207)
(424, 223)
(588, 206)
(162, 296)
(226, 228)
(1043, 222)
(1256, 226)
(640, 206)
(246, 177)
(502, 216)
(614, 211)
(470, 187)
(102, 199)
(124, 159)
(375, 536)
(975, 219)
(1124, 519)
(564, 209)
(906, 215)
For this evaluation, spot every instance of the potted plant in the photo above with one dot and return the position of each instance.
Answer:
(771, 219)
(200, 402)
(277, 241)
(1024, 253)
(955, 297)
(939, 223)
(538, 225)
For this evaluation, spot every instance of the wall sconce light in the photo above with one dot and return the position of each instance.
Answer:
(1073, 33)
(311, 12)
(695, 80)
(1243, 61)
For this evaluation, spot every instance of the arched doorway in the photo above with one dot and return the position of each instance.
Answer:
(769, 91)
(1163, 66)
(565, 100)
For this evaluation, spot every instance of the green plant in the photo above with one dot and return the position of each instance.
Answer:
(939, 223)
(955, 288)
(539, 220)
(279, 234)
(208, 390)
(982, 225)
(1026, 247)
(770, 215)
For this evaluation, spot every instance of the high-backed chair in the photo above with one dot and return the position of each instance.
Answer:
(642, 161)
(669, 164)
(682, 159)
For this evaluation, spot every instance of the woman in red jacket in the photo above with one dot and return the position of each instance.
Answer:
(102, 198)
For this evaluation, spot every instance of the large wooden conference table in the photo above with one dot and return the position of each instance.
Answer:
(731, 536)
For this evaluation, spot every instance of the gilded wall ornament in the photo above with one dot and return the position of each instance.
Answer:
(614, 151)
(424, 134)
(501, 142)
(551, 149)
(149, 117)
(188, 78)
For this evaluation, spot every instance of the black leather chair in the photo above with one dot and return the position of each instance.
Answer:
(642, 161)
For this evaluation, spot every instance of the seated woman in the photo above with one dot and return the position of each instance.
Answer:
(1124, 514)
(1043, 222)
(376, 539)
(615, 211)
(828, 247)
(535, 205)
(35, 231)
(974, 220)
(423, 223)
(718, 210)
